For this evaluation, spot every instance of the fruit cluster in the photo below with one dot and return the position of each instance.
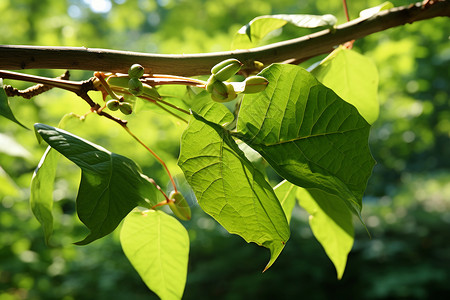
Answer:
(222, 91)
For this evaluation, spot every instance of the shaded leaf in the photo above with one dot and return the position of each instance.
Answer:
(354, 78)
(41, 188)
(157, 246)
(331, 223)
(5, 110)
(308, 134)
(111, 184)
(253, 32)
(286, 193)
(229, 188)
(41, 196)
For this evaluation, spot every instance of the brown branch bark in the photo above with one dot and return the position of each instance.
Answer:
(31, 57)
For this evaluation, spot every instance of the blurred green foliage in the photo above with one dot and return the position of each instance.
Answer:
(407, 203)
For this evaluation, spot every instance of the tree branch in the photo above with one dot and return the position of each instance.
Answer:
(32, 57)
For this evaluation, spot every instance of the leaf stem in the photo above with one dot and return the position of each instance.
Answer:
(153, 153)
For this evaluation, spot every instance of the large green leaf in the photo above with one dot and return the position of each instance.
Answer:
(286, 193)
(229, 188)
(111, 185)
(5, 110)
(309, 135)
(253, 32)
(157, 246)
(354, 78)
(331, 223)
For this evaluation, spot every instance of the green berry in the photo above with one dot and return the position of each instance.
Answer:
(135, 86)
(113, 104)
(126, 108)
(219, 91)
(136, 71)
(224, 96)
(179, 206)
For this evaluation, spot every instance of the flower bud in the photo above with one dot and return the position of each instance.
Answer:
(136, 71)
(255, 84)
(135, 86)
(179, 206)
(225, 69)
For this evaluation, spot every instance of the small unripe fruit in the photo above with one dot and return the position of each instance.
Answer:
(126, 108)
(224, 70)
(113, 104)
(219, 91)
(136, 71)
(229, 96)
(255, 84)
(179, 206)
(209, 83)
(135, 86)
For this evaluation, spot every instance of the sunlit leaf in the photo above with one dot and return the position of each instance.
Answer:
(157, 246)
(7, 185)
(286, 193)
(354, 78)
(111, 185)
(229, 188)
(369, 12)
(203, 105)
(10, 146)
(5, 110)
(309, 135)
(253, 32)
(331, 223)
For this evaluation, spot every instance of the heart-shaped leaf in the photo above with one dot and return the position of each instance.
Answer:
(111, 184)
(229, 188)
(157, 246)
(309, 135)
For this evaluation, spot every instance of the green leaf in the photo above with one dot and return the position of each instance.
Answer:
(41, 196)
(253, 32)
(7, 185)
(11, 147)
(331, 223)
(41, 192)
(157, 246)
(203, 105)
(354, 78)
(111, 185)
(286, 193)
(229, 188)
(5, 110)
(367, 13)
(309, 135)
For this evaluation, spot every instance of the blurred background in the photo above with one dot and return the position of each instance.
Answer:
(406, 206)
